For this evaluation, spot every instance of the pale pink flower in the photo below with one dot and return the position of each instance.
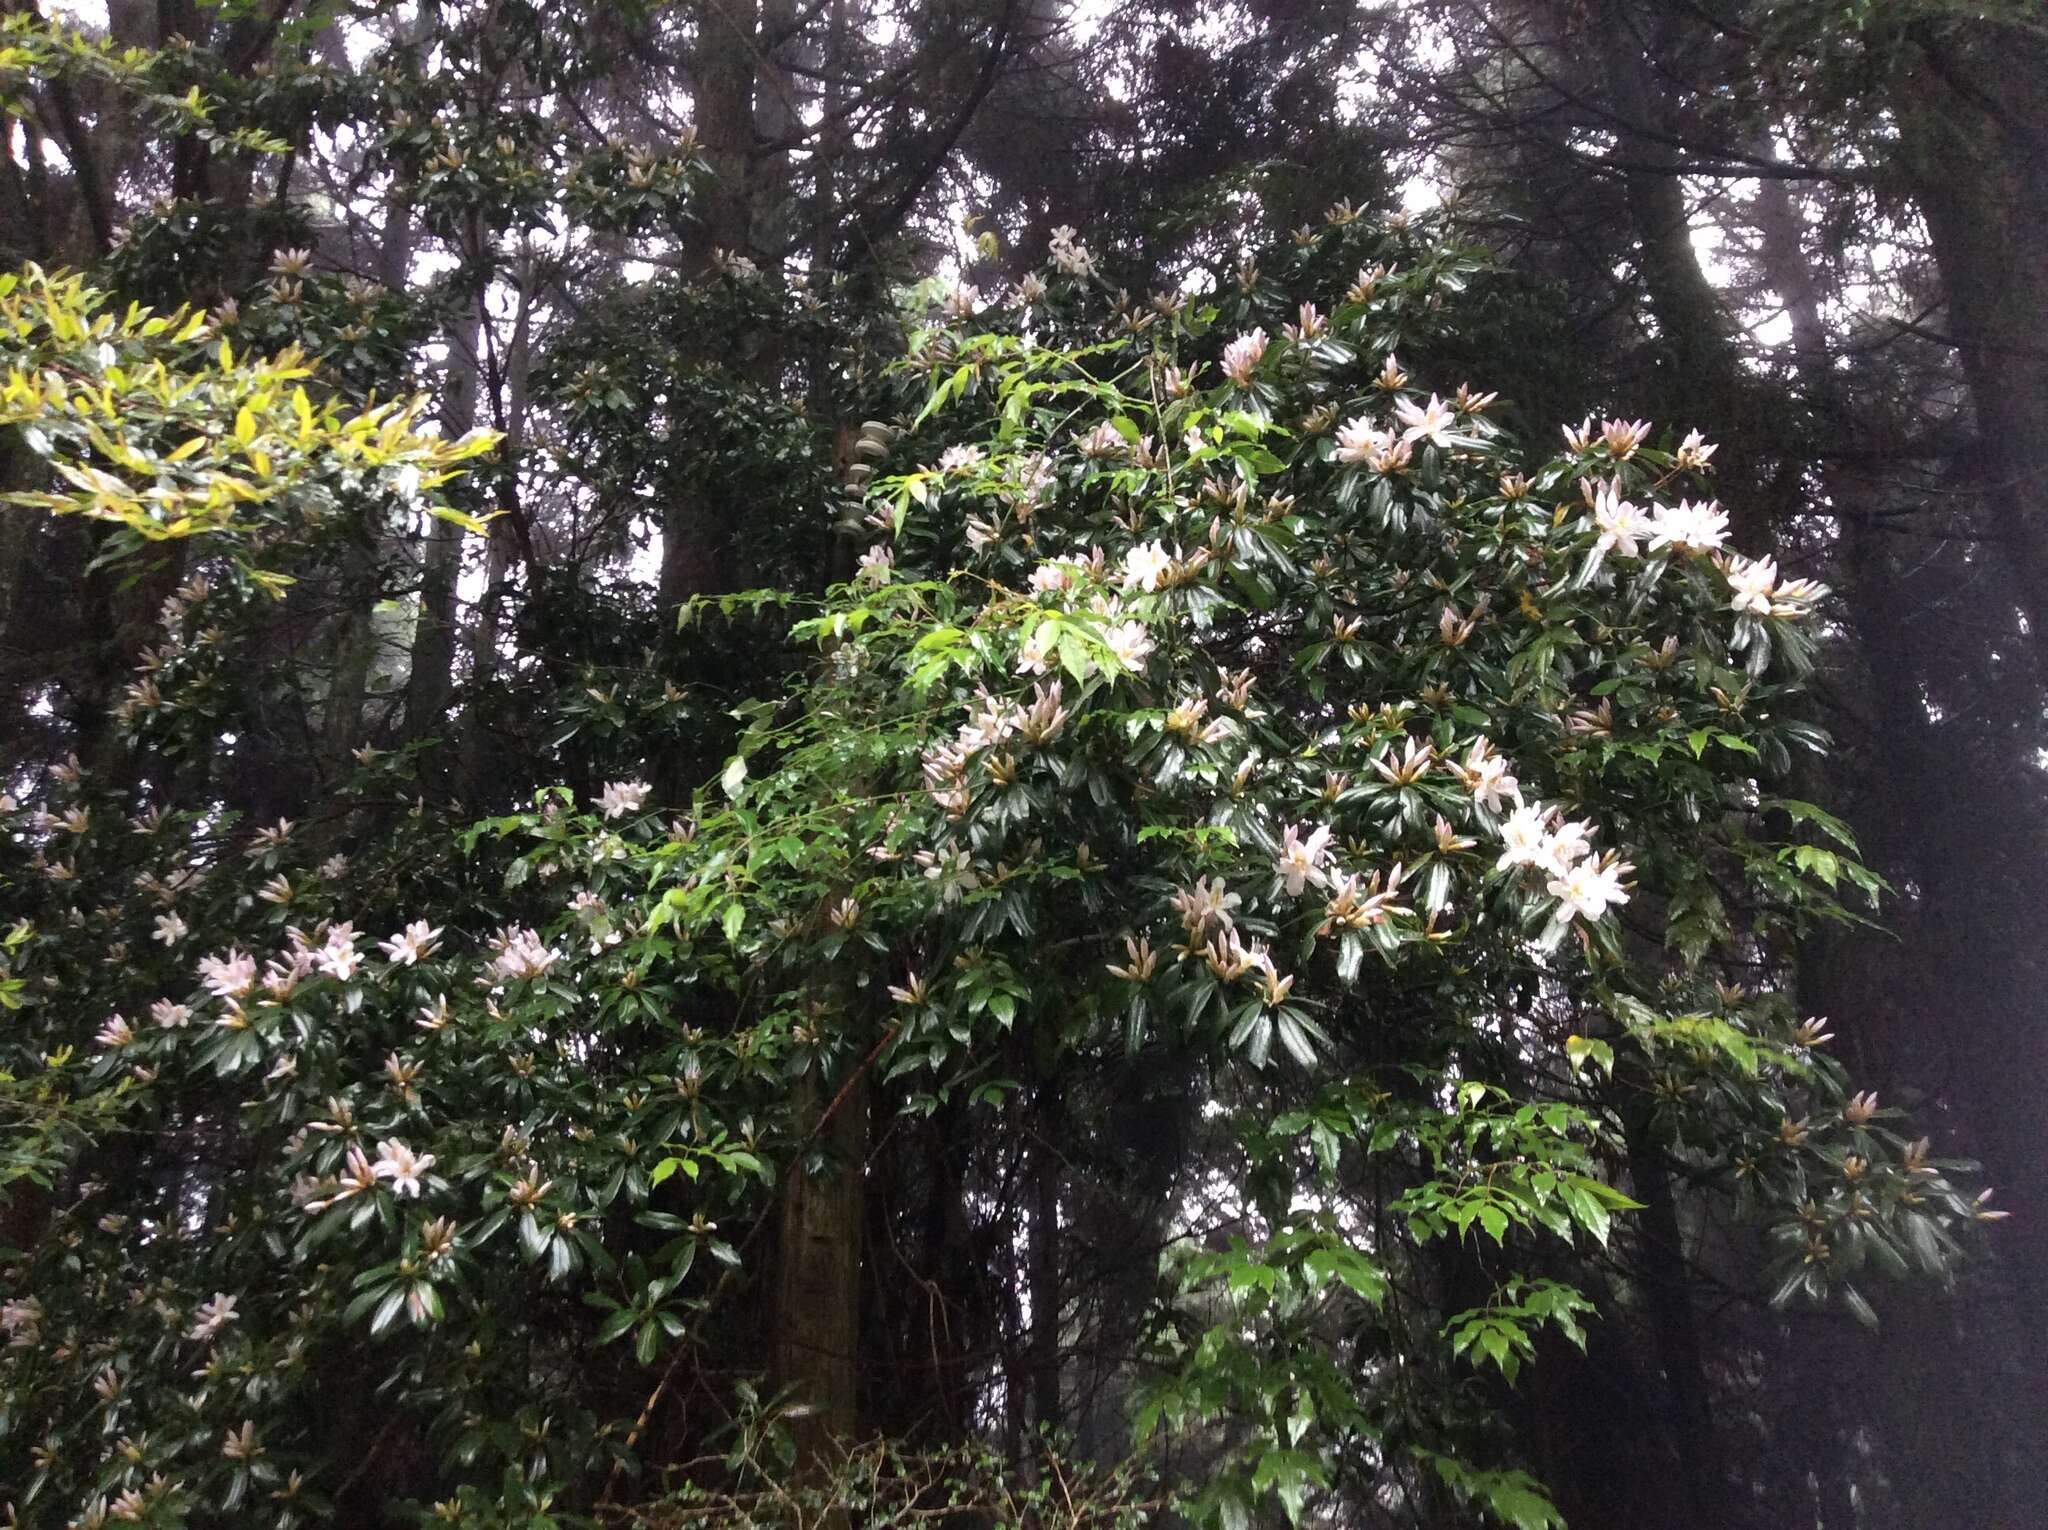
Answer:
(228, 977)
(1055, 578)
(524, 956)
(1622, 437)
(876, 565)
(115, 1034)
(1105, 442)
(1242, 356)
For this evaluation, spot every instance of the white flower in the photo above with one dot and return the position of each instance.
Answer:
(228, 977)
(876, 565)
(273, 838)
(1359, 441)
(170, 929)
(1488, 777)
(212, 1317)
(1568, 843)
(414, 943)
(403, 1167)
(170, 1016)
(1751, 584)
(1035, 654)
(1130, 642)
(1426, 422)
(1145, 565)
(1756, 588)
(1689, 527)
(338, 956)
(1069, 254)
(958, 459)
(962, 301)
(953, 870)
(1587, 890)
(1524, 838)
(1620, 523)
(1694, 452)
(1241, 357)
(1300, 861)
(622, 797)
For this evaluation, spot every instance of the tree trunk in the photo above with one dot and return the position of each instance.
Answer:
(1703, 380)
(817, 1299)
(1046, 1409)
(693, 552)
(1667, 1290)
(1932, 1452)
(431, 684)
(1973, 136)
(503, 549)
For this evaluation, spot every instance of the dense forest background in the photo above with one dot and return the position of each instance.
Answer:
(663, 257)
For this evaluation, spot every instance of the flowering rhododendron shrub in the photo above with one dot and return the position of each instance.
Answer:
(1226, 690)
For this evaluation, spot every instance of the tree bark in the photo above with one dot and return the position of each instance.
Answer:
(1909, 768)
(1973, 137)
(1046, 1409)
(817, 1299)
(693, 553)
(431, 684)
(1703, 372)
